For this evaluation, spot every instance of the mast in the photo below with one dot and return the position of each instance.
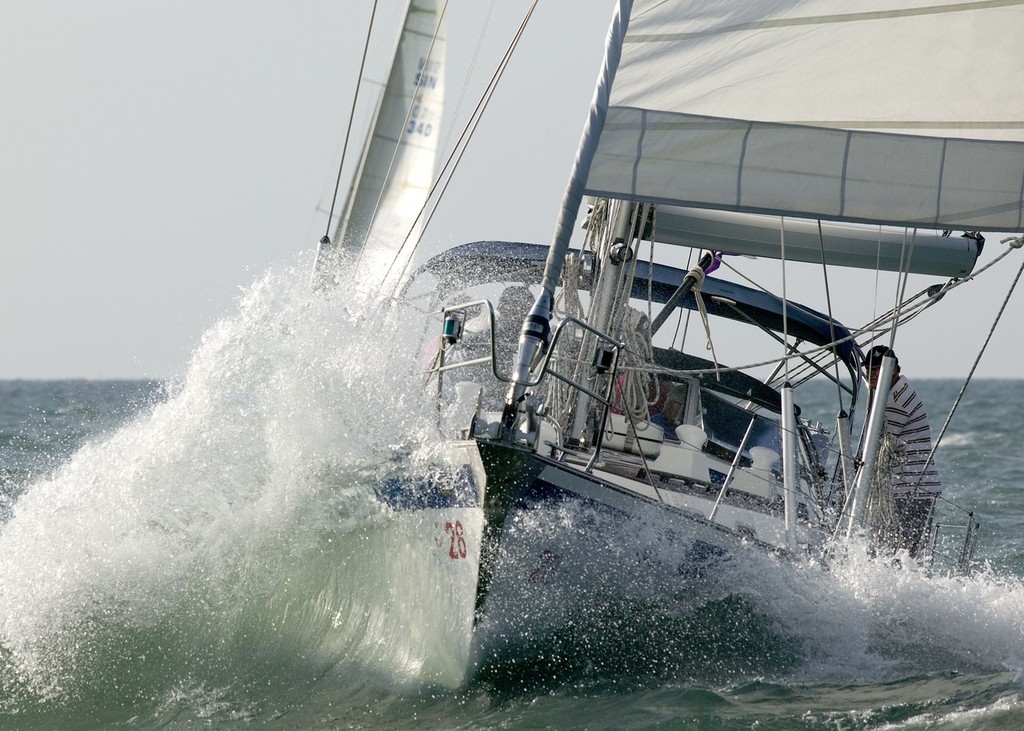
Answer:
(537, 327)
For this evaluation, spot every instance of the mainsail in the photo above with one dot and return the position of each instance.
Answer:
(810, 108)
(395, 173)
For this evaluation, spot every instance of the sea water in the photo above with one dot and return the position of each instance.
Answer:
(210, 552)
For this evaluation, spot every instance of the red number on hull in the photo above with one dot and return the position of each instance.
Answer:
(457, 540)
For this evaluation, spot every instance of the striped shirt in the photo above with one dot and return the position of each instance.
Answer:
(907, 422)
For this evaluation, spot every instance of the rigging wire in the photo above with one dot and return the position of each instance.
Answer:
(904, 279)
(882, 322)
(462, 143)
(650, 267)
(878, 274)
(933, 295)
(785, 299)
(472, 64)
(970, 375)
(326, 240)
(907, 314)
(679, 320)
(828, 302)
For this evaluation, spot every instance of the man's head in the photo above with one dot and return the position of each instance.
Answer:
(674, 404)
(515, 302)
(873, 362)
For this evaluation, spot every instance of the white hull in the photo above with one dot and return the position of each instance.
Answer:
(426, 557)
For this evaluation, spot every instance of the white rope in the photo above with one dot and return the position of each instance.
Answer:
(567, 301)
(567, 304)
(881, 512)
(698, 281)
(561, 395)
(639, 385)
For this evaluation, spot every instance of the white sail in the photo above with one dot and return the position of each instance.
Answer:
(388, 193)
(882, 113)
(889, 111)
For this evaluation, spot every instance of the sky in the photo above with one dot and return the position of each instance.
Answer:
(156, 157)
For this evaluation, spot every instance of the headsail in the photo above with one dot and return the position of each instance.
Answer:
(881, 114)
(396, 170)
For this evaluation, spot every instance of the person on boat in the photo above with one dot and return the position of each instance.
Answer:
(914, 479)
(673, 412)
(513, 305)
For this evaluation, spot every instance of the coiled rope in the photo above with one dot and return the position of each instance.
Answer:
(638, 389)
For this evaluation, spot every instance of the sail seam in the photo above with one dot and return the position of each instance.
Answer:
(639, 150)
(402, 141)
(938, 186)
(845, 173)
(739, 167)
(1020, 208)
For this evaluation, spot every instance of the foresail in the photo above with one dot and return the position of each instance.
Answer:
(891, 111)
(388, 193)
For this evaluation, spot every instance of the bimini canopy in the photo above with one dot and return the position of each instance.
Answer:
(481, 262)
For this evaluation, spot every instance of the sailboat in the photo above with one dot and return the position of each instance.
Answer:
(799, 131)
(383, 212)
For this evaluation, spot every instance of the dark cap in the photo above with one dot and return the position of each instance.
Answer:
(875, 355)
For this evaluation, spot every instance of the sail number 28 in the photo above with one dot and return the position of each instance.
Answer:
(457, 540)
